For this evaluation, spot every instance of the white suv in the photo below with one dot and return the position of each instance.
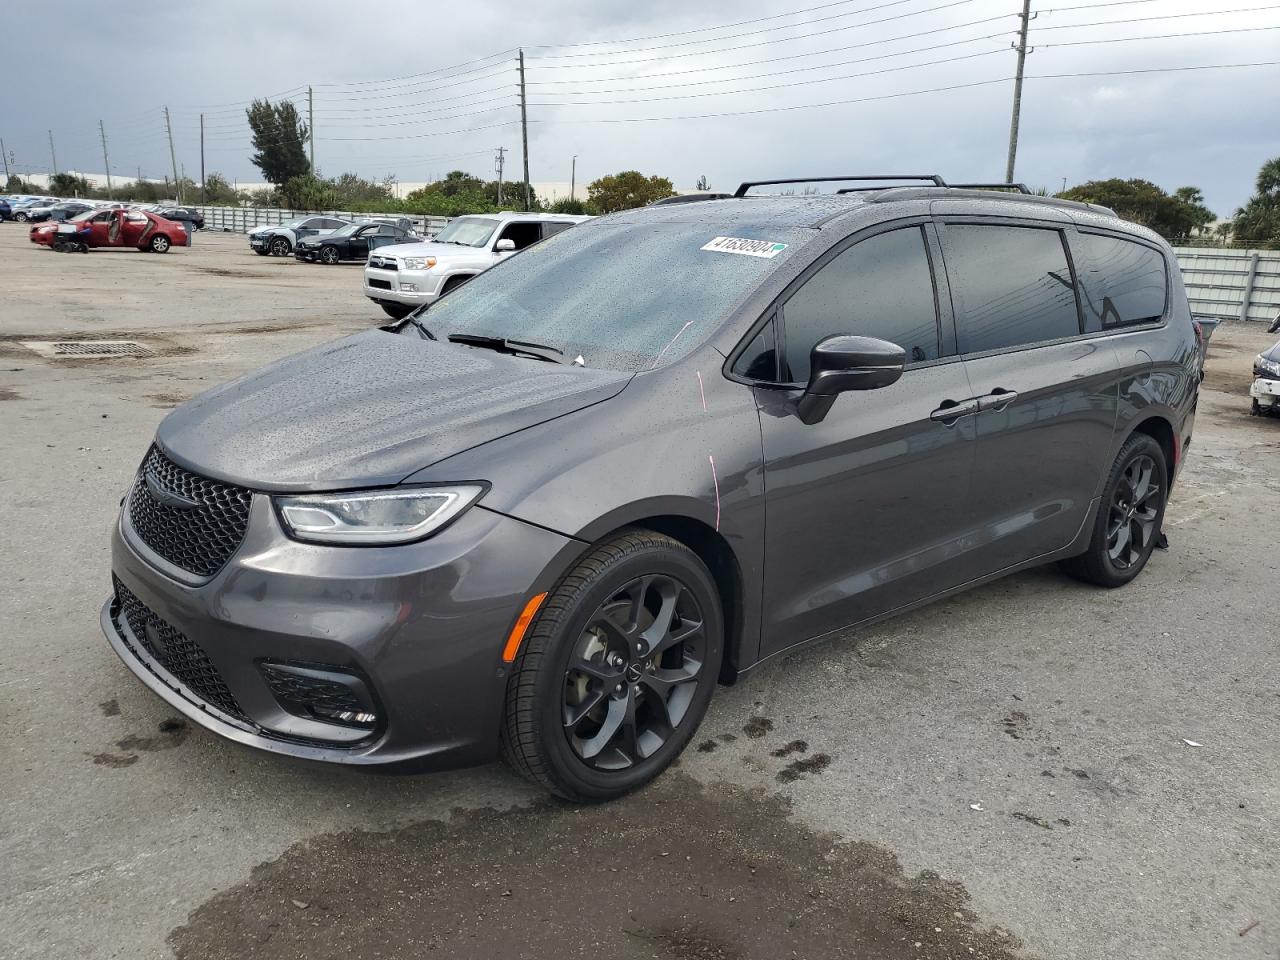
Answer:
(402, 277)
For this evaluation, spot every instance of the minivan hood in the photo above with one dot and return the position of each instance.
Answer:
(369, 410)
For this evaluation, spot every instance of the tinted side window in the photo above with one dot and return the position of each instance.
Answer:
(1012, 286)
(1124, 282)
(523, 234)
(880, 287)
(550, 229)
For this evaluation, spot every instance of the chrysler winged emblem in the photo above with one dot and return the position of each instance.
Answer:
(167, 498)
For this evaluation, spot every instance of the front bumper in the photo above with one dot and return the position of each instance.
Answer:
(306, 254)
(422, 625)
(390, 286)
(1265, 390)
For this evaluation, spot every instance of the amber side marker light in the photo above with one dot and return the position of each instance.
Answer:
(522, 624)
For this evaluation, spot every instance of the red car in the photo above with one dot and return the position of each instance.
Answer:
(112, 228)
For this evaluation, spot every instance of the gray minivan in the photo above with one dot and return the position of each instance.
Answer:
(549, 514)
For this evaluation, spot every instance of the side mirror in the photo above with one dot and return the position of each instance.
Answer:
(838, 364)
(505, 245)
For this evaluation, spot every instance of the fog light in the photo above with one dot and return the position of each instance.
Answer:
(361, 718)
(328, 695)
(409, 287)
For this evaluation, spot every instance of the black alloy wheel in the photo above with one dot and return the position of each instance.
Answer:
(1129, 519)
(1134, 508)
(633, 672)
(616, 670)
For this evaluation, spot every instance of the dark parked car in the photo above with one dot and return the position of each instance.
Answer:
(182, 215)
(551, 512)
(352, 242)
(58, 212)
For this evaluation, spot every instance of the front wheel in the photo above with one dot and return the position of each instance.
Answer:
(617, 670)
(396, 311)
(21, 217)
(328, 255)
(280, 247)
(159, 243)
(1129, 517)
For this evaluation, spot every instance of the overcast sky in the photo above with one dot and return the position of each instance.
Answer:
(405, 88)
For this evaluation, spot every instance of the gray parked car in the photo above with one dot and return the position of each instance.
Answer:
(551, 512)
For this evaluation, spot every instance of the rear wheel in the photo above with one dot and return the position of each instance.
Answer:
(328, 255)
(159, 243)
(617, 670)
(21, 217)
(281, 247)
(1129, 517)
(396, 311)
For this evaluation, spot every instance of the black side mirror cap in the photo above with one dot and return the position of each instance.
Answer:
(840, 364)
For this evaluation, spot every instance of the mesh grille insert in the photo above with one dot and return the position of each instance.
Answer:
(176, 652)
(193, 522)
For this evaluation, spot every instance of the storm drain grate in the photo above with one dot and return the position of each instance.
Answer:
(87, 348)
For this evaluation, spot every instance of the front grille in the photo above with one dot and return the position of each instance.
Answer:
(384, 263)
(202, 529)
(176, 652)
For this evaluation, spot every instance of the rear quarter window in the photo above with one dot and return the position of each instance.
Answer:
(1125, 282)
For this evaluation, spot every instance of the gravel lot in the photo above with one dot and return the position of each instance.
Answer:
(1004, 774)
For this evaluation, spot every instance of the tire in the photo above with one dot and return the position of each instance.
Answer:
(605, 753)
(21, 217)
(396, 311)
(262, 253)
(329, 256)
(1256, 409)
(453, 283)
(159, 244)
(280, 247)
(1116, 555)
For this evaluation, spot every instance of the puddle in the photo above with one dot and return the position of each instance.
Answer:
(676, 871)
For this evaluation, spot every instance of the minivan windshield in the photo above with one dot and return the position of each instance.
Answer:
(622, 295)
(468, 231)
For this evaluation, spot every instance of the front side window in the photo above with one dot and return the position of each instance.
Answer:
(880, 287)
(522, 234)
(1012, 286)
(1124, 282)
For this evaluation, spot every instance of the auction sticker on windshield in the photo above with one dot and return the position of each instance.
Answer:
(746, 248)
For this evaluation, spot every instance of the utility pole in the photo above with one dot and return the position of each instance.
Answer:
(5, 157)
(524, 129)
(53, 153)
(173, 157)
(499, 162)
(202, 193)
(573, 175)
(311, 128)
(111, 194)
(1021, 47)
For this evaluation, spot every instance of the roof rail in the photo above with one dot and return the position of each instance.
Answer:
(1012, 187)
(936, 180)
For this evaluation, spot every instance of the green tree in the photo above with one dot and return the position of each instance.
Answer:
(306, 192)
(16, 184)
(1193, 199)
(623, 191)
(218, 190)
(1257, 223)
(68, 185)
(1174, 216)
(278, 138)
(566, 205)
(354, 192)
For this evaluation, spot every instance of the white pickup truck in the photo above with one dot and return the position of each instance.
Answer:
(402, 277)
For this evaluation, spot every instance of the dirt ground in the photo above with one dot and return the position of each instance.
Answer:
(1033, 769)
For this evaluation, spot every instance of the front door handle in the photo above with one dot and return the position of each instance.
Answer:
(997, 399)
(949, 411)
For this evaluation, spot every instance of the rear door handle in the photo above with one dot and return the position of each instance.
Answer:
(997, 399)
(952, 410)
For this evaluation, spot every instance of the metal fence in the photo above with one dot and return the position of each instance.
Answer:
(248, 219)
(1232, 284)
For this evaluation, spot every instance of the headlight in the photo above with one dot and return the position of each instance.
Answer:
(374, 516)
(1267, 366)
(419, 263)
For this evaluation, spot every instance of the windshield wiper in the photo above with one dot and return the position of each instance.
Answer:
(422, 327)
(504, 345)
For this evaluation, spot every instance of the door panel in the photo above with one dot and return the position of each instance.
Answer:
(864, 509)
(1047, 397)
(1040, 456)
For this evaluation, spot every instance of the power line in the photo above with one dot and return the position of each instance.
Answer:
(1158, 36)
(1161, 16)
